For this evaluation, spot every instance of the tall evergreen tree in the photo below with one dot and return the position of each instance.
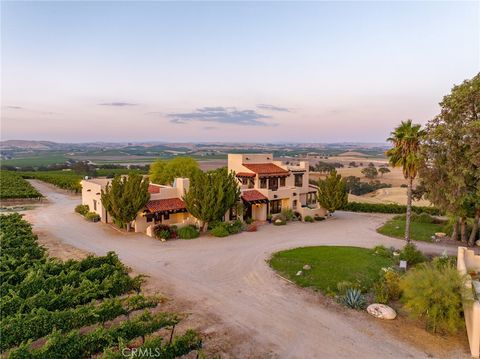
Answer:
(211, 195)
(405, 153)
(332, 192)
(124, 197)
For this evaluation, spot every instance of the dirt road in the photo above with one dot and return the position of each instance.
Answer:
(229, 278)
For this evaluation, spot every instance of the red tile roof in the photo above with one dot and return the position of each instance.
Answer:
(253, 195)
(153, 189)
(245, 174)
(165, 205)
(266, 169)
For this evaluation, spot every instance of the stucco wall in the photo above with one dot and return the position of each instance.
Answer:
(467, 261)
(91, 196)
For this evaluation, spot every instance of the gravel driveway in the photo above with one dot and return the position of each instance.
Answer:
(229, 278)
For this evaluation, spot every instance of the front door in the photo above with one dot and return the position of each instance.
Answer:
(248, 211)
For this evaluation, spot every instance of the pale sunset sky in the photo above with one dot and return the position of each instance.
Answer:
(229, 71)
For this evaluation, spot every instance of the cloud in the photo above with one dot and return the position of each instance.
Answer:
(15, 107)
(225, 115)
(118, 104)
(264, 106)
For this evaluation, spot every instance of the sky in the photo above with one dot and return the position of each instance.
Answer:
(229, 71)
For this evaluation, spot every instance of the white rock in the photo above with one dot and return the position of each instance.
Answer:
(478, 243)
(307, 267)
(299, 273)
(381, 311)
(440, 234)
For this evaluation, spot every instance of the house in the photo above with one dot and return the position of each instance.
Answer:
(268, 186)
(165, 205)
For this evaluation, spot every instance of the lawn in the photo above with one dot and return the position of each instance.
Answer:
(329, 265)
(36, 160)
(419, 231)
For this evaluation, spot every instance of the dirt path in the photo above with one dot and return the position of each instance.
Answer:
(229, 278)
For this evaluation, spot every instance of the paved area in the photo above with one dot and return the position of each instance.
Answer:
(230, 278)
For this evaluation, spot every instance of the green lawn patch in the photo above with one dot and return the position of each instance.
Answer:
(419, 231)
(329, 266)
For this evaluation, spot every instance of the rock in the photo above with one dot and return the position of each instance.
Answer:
(440, 234)
(307, 267)
(396, 254)
(477, 243)
(299, 273)
(381, 311)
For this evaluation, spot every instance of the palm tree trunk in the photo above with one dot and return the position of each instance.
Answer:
(454, 236)
(473, 235)
(409, 210)
(463, 229)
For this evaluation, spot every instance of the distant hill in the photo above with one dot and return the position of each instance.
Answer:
(29, 145)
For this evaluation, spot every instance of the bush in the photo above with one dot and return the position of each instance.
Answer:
(83, 209)
(188, 232)
(420, 218)
(308, 219)
(382, 251)
(220, 231)
(412, 255)
(92, 216)
(235, 227)
(163, 231)
(279, 221)
(319, 218)
(435, 296)
(388, 287)
(288, 214)
(248, 221)
(388, 208)
(444, 261)
(403, 185)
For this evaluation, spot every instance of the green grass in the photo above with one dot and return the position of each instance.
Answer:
(330, 265)
(419, 231)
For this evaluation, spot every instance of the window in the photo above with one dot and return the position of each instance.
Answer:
(273, 184)
(311, 198)
(282, 182)
(251, 182)
(94, 204)
(263, 183)
(299, 180)
(275, 206)
(294, 204)
(166, 216)
(149, 218)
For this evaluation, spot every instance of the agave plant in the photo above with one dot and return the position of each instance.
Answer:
(353, 298)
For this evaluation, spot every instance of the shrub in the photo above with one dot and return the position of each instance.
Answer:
(92, 216)
(288, 214)
(388, 287)
(188, 232)
(435, 296)
(163, 231)
(444, 261)
(412, 255)
(388, 208)
(353, 298)
(248, 221)
(420, 218)
(220, 230)
(403, 185)
(308, 219)
(83, 209)
(279, 221)
(235, 227)
(319, 218)
(382, 251)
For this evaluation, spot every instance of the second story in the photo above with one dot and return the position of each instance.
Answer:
(261, 172)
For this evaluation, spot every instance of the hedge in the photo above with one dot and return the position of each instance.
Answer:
(388, 208)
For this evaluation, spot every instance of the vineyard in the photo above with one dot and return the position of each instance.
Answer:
(77, 309)
(64, 179)
(12, 185)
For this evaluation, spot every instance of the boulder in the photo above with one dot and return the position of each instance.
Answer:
(307, 267)
(477, 243)
(440, 234)
(299, 273)
(381, 311)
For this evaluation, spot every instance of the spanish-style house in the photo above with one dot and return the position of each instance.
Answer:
(268, 186)
(165, 205)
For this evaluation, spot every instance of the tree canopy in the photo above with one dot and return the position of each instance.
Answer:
(165, 171)
(370, 172)
(332, 192)
(451, 168)
(124, 197)
(212, 194)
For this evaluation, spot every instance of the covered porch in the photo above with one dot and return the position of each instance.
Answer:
(256, 205)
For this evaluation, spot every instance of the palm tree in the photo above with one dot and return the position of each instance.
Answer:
(405, 153)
